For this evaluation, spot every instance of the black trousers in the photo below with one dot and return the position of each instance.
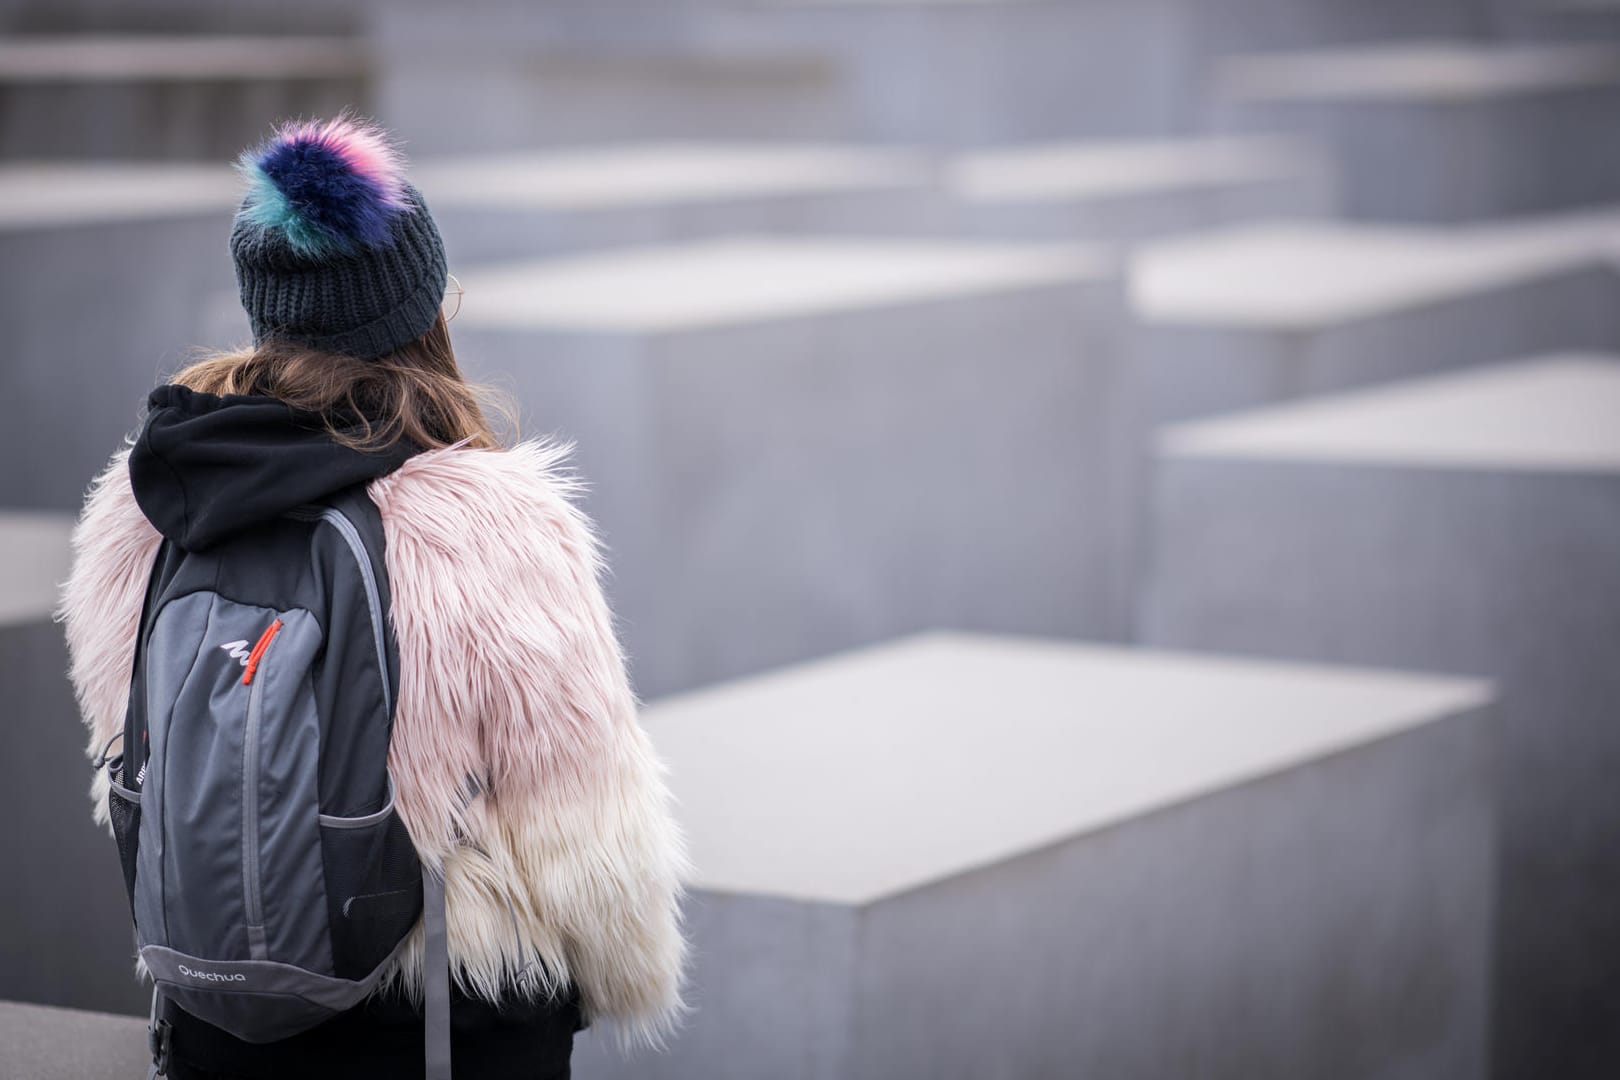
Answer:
(382, 1039)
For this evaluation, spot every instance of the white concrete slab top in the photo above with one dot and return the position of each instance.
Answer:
(1557, 413)
(654, 174)
(1417, 72)
(175, 57)
(854, 777)
(35, 557)
(746, 280)
(33, 195)
(1120, 168)
(1304, 276)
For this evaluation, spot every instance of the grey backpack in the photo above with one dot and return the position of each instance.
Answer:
(270, 877)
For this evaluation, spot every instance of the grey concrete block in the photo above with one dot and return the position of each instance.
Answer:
(957, 73)
(497, 76)
(1555, 20)
(1134, 189)
(550, 202)
(69, 939)
(963, 856)
(106, 269)
(66, 1044)
(984, 72)
(1220, 28)
(1267, 313)
(1444, 131)
(184, 96)
(1464, 523)
(796, 446)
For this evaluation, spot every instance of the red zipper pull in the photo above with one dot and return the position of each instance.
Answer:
(258, 651)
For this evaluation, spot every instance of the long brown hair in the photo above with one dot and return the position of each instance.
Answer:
(416, 391)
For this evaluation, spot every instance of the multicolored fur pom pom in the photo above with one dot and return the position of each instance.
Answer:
(326, 186)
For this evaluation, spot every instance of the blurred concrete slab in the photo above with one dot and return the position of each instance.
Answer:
(1264, 313)
(965, 856)
(70, 940)
(37, 558)
(186, 96)
(1134, 189)
(984, 72)
(1462, 523)
(549, 202)
(1221, 28)
(493, 76)
(799, 445)
(106, 266)
(1555, 20)
(1444, 130)
(41, 1043)
(963, 72)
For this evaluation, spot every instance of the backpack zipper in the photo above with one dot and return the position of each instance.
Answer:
(262, 644)
(253, 900)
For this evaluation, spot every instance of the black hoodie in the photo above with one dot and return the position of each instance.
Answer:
(207, 466)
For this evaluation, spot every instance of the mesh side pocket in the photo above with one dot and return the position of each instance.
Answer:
(124, 810)
(373, 891)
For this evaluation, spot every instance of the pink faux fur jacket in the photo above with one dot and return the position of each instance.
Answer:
(510, 667)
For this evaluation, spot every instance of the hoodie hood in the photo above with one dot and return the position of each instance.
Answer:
(208, 466)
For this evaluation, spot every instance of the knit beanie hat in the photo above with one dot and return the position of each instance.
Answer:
(334, 248)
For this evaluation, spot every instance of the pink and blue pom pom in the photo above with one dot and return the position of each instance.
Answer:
(326, 186)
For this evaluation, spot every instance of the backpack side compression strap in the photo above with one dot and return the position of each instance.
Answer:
(435, 977)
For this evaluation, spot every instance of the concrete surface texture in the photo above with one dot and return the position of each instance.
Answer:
(37, 195)
(1459, 524)
(1555, 414)
(166, 95)
(106, 268)
(738, 281)
(530, 204)
(944, 74)
(44, 1043)
(1480, 129)
(37, 558)
(592, 73)
(1425, 70)
(738, 407)
(63, 886)
(1132, 189)
(1266, 313)
(1062, 803)
(1029, 726)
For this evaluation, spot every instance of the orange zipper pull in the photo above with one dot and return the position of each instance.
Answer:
(258, 651)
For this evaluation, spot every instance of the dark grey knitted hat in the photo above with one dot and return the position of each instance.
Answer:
(333, 247)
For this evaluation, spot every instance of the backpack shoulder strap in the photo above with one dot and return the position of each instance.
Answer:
(435, 977)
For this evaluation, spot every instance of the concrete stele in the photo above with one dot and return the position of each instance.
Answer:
(92, 58)
(1290, 276)
(1417, 72)
(1556, 413)
(1460, 522)
(36, 195)
(46, 1043)
(35, 557)
(662, 173)
(787, 781)
(1122, 168)
(747, 280)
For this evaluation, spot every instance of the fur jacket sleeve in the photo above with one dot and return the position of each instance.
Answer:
(566, 862)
